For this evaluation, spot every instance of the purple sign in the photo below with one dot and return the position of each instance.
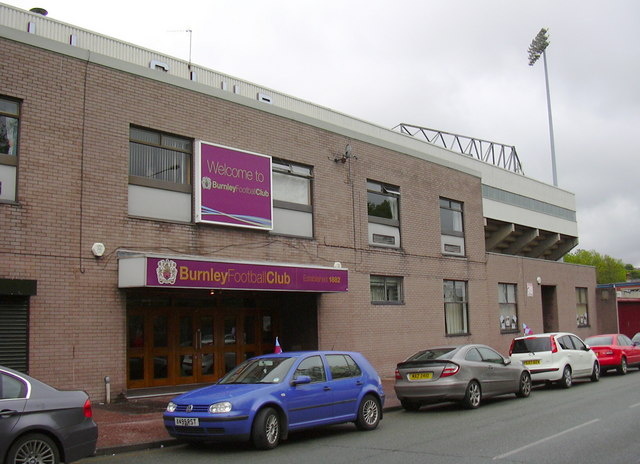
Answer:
(185, 273)
(233, 187)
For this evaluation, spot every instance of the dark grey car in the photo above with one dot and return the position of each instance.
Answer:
(42, 425)
(464, 373)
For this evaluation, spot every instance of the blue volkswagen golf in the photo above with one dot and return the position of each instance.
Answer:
(266, 397)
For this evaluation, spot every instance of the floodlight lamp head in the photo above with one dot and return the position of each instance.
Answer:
(538, 46)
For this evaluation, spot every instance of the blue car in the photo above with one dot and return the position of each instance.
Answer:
(266, 397)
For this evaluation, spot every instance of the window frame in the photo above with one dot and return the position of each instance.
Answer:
(11, 159)
(463, 307)
(386, 281)
(507, 326)
(387, 191)
(447, 204)
(277, 166)
(582, 318)
(144, 181)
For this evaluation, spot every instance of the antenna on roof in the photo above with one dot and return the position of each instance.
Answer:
(190, 41)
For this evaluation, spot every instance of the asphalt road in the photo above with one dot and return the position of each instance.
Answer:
(589, 423)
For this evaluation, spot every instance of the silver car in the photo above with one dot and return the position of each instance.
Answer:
(39, 424)
(463, 373)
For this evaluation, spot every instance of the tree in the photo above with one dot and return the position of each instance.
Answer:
(632, 272)
(608, 270)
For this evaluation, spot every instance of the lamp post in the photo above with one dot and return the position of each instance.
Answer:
(537, 48)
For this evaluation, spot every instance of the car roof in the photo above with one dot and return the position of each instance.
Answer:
(297, 354)
(546, 334)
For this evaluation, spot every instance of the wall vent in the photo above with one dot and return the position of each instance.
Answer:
(155, 64)
(264, 98)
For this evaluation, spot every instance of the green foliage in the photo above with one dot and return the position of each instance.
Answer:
(608, 270)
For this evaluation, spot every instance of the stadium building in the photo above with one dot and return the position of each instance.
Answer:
(162, 222)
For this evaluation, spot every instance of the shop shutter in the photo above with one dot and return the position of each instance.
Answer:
(14, 333)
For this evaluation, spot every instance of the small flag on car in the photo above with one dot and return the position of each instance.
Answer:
(277, 349)
(527, 330)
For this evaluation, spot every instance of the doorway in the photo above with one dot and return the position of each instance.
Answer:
(549, 308)
(176, 340)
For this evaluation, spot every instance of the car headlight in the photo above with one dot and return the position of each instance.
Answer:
(171, 406)
(218, 408)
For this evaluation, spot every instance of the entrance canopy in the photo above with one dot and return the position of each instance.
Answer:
(138, 269)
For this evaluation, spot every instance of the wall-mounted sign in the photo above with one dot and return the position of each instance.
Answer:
(232, 187)
(169, 272)
(177, 272)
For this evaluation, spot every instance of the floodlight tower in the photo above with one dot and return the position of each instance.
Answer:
(537, 48)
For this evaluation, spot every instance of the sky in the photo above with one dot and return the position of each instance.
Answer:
(460, 66)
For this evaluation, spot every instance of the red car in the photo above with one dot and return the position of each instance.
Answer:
(615, 351)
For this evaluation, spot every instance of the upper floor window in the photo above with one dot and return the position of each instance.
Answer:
(452, 227)
(160, 160)
(383, 207)
(456, 307)
(582, 308)
(160, 175)
(385, 289)
(9, 117)
(507, 299)
(292, 199)
(9, 112)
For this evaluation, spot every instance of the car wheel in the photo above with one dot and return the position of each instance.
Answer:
(472, 395)
(368, 413)
(265, 432)
(623, 367)
(34, 448)
(524, 387)
(595, 374)
(410, 405)
(566, 381)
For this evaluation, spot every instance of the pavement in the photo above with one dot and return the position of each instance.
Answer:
(136, 423)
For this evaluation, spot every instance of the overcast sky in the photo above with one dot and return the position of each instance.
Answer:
(456, 65)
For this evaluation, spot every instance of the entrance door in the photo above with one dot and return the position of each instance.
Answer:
(195, 357)
(549, 309)
(179, 345)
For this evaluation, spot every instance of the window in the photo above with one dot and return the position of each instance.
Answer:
(9, 114)
(313, 367)
(473, 355)
(455, 307)
(292, 199)
(452, 227)
(582, 308)
(383, 207)
(490, 356)
(159, 160)
(386, 289)
(11, 387)
(508, 307)
(342, 366)
(159, 175)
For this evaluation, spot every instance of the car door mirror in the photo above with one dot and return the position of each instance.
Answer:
(300, 380)
(506, 361)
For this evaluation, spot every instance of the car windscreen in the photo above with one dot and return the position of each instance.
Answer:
(529, 345)
(434, 353)
(259, 370)
(599, 341)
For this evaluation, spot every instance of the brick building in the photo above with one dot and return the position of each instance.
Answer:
(161, 222)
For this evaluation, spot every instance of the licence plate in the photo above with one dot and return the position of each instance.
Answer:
(187, 421)
(531, 362)
(420, 376)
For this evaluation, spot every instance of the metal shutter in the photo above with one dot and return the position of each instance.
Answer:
(14, 332)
